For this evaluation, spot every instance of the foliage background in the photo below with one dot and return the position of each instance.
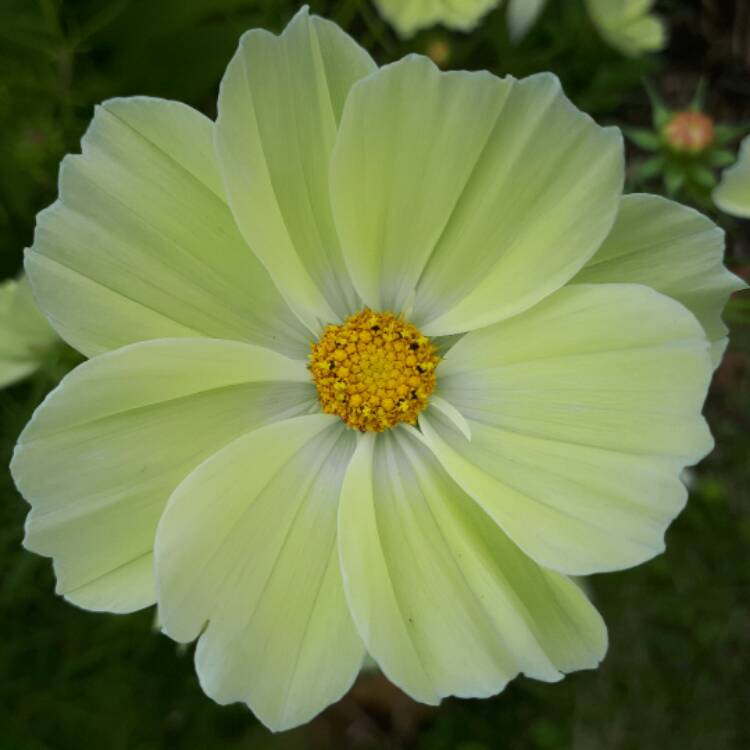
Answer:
(677, 672)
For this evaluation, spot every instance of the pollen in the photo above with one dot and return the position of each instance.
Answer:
(374, 370)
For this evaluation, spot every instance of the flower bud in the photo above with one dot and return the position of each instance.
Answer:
(689, 132)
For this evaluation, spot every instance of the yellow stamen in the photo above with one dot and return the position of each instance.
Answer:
(374, 370)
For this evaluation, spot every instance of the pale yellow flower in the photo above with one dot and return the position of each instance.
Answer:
(378, 360)
(628, 25)
(409, 16)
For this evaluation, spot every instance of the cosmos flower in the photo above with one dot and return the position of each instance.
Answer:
(409, 16)
(26, 338)
(377, 361)
(628, 25)
(732, 195)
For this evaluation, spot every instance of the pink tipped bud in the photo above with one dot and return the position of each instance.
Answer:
(689, 132)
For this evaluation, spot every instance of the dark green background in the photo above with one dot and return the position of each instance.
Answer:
(678, 669)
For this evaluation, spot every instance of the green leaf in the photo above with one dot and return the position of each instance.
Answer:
(726, 133)
(674, 178)
(720, 158)
(648, 169)
(660, 112)
(703, 176)
(646, 139)
(698, 103)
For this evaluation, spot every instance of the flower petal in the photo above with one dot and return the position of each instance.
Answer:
(522, 15)
(484, 194)
(628, 25)
(583, 411)
(409, 16)
(246, 559)
(445, 602)
(25, 335)
(279, 106)
(103, 453)
(732, 195)
(672, 249)
(141, 244)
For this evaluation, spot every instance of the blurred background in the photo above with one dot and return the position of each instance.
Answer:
(678, 668)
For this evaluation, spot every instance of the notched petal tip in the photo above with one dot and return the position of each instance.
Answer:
(530, 387)
(280, 512)
(673, 249)
(400, 517)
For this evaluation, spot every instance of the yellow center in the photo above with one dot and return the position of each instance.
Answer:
(374, 370)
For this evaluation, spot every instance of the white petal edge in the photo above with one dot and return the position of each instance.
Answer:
(439, 180)
(279, 105)
(141, 244)
(676, 251)
(444, 601)
(101, 455)
(25, 336)
(247, 561)
(583, 412)
(732, 195)
(522, 15)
